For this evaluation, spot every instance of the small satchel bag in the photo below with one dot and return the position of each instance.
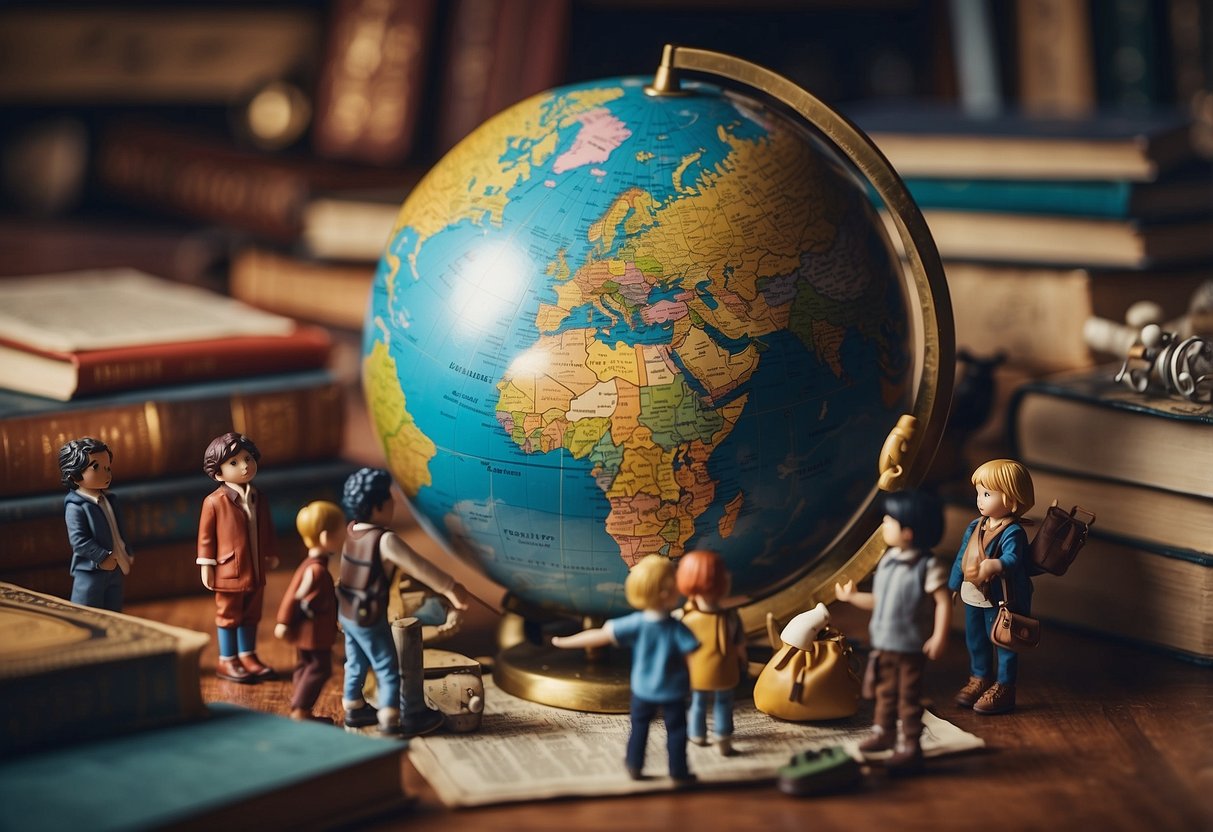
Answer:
(806, 684)
(1011, 630)
(1059, 539)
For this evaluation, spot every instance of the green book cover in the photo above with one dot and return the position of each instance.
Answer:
(234, 769)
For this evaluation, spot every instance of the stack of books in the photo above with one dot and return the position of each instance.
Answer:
(137, 707)
(1043, 224)
(156, 370)
(1142, 464)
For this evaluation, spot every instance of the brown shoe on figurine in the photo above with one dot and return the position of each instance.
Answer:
(255, 668)
(999, 699)
(881, 740)
(233, 671)
(971, 692)
(905, 759)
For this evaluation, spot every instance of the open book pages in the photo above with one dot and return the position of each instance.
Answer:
(105, 308)
(526, 751)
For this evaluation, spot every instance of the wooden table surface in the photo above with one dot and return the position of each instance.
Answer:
(1105, 737)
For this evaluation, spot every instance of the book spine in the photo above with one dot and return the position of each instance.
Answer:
(1056, 57)
(188, 178)
(1111, 200)
(32, 532)
(1130, 71)
(373, 80)
(156, 438)
(329, 294)
(467, 71)
(103, 371)
(134, 693)
(165, 571)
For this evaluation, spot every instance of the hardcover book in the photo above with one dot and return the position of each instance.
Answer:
(1072, 241)
(70, 673)
(1086, 424)
(205, 177)
(1188, 192)
(157, 511)
(368, 100)
(934, 141)
(1135, 515)
(293, 417)
(234, 769)
(333, 294)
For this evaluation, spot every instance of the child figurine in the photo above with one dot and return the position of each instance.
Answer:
(235, 548)
(368, 560)
(660, 677)
(307, 615)
(716, 665)
(100, 556)
(906, 577)
(995, 545)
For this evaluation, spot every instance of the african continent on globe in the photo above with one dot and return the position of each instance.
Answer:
(609, 324)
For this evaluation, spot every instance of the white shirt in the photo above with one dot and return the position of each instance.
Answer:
(124, 559)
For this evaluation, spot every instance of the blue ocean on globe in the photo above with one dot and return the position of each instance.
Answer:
(610, 324)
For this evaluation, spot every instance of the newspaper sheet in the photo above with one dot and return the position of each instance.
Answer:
(525, 751)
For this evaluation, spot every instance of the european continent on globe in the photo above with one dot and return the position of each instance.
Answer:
(600, 287)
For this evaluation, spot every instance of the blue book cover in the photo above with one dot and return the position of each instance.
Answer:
(233, 769)
(1188, 195)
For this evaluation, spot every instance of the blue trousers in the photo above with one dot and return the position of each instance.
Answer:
(978, 623)
(721, 702)
(367, 648)
(675, 715)
(100, 588)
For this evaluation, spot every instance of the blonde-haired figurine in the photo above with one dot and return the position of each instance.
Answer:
(307, 616)
(660, 677)
(995, 545)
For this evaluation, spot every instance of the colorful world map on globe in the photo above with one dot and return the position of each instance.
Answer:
(610, 324)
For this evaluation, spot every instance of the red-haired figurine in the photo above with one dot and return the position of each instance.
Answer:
(716, 665)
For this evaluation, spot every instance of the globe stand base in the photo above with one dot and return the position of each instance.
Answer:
(565, 678)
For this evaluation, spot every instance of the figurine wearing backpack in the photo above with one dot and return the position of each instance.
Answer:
(992, 570)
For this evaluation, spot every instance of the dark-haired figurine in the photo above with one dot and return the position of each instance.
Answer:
(100, 557)
(371, 554)
(236, 547)
(908, 578)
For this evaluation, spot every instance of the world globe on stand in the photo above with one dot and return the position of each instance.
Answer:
(610, 324)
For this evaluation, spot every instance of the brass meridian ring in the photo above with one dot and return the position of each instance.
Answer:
(853, 553)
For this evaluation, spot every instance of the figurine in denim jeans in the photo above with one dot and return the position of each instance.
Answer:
(660, 678)
(994, 545)
(717, 665)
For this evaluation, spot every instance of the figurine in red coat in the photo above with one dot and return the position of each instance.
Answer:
(307, 616)
(235, 549)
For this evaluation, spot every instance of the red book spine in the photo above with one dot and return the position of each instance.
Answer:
(128, 368)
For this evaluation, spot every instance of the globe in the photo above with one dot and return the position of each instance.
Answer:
(610, 324)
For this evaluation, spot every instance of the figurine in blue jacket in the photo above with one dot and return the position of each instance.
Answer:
(660, 678)
(994, 546)
(100, 557)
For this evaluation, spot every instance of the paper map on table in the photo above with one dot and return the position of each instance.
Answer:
(525, 751)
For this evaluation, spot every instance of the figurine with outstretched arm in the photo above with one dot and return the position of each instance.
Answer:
(236, 547)
(908, 590)
(994, 545)
(100, 557)
(660, 678)
(307, 615)
(717, 665)
(369, 559)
